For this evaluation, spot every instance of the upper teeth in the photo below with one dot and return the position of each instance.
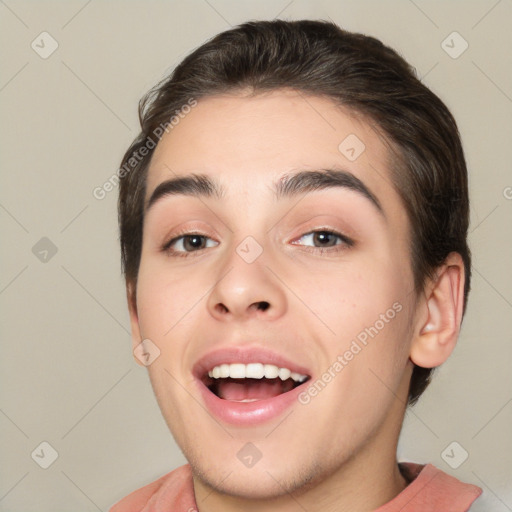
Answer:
(254, 371)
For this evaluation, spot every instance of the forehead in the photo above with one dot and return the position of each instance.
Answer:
(247, 142)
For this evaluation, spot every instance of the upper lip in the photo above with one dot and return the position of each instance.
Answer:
(244, 355)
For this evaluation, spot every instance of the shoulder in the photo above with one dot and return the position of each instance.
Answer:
(431, 489)
(174, 487)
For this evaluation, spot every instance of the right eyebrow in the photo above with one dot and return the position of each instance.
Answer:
(195, 185)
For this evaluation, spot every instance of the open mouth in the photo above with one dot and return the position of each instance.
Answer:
(252, 382)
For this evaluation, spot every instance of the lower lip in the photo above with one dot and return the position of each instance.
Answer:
(248, 413)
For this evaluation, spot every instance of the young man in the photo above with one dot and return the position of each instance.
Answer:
(293, 222)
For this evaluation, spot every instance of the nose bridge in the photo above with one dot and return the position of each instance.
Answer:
(246, 287)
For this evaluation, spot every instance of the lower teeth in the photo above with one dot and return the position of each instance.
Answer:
(245, 400)
(214, 387)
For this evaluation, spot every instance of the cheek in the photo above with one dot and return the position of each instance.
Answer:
(381, 354)
(164, 298)
(367, 365)
(366, 308)
(351, 297)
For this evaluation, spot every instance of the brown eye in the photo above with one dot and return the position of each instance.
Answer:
(192, 242)
(186, 244)
(324, 239)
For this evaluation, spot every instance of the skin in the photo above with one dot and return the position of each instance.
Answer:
(338, 452)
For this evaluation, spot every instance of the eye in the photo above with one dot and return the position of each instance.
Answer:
(324, 239)
(183, 245)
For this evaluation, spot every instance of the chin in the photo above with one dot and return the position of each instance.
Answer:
(262, 481)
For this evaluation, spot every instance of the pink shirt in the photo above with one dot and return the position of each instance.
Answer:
(429, 490)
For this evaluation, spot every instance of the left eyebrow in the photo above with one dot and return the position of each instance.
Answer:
(291, 185)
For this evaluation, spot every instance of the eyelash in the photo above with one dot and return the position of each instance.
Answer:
(346, 242)
(166, 248)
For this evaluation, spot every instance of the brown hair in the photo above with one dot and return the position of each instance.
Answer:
(356, 71)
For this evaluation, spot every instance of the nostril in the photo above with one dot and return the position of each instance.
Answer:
(263, 305)
(221, 308)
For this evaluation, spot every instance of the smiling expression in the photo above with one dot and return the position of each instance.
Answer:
(266, 249)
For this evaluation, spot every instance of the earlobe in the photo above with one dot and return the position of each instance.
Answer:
(438, 328)
(134, 319)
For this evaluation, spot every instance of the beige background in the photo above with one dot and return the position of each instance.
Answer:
(67, 372)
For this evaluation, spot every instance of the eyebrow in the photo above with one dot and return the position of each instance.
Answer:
(195, 185)
(309, 181)
(288, 186)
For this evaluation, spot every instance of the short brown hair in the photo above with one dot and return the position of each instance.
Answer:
(354, 70)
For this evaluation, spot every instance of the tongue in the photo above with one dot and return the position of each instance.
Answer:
(252, 389)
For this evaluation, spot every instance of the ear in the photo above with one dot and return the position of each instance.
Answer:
(134, 318)
(440, 315)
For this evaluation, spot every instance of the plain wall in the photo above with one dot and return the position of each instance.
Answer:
(67, 372)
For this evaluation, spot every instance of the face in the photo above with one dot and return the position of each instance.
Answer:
(281, 304)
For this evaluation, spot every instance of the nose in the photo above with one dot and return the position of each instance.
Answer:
(247, 290)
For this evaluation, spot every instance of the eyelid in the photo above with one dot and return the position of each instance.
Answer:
(311, 219)
(168, 242)
(190, 227)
